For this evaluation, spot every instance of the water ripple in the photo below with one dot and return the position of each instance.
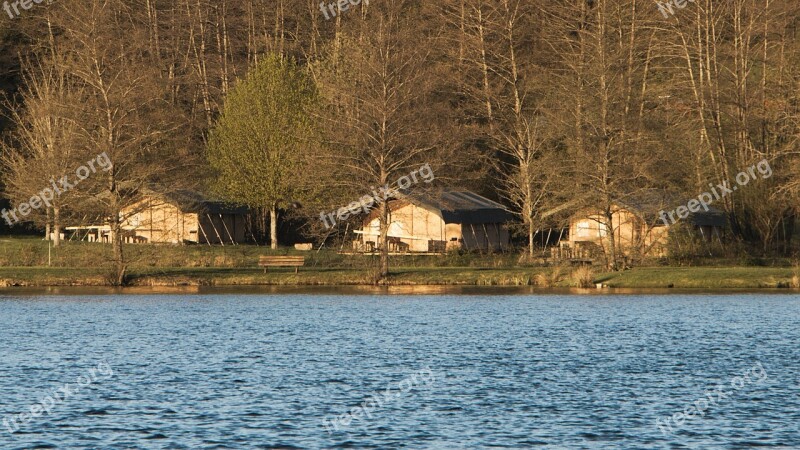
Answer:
(263, 371)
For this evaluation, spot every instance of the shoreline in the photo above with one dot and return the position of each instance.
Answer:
(368, 291)
(666, 278)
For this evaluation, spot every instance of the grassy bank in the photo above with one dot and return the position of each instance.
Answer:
(24, 262)
(679, 278)
(701, 277)
(34, 252)
(30, 262)
(311, 276)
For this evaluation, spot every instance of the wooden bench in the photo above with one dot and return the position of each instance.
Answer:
(281, 261)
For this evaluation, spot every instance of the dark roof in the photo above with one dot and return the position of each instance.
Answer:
(460, 206)
(194, 202)
(711, 218)
(650, 203)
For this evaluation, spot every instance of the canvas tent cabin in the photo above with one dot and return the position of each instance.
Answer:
(182, 217)
(437, 221)
(638, 225)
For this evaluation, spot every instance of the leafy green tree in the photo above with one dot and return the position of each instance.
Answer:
(260, 144)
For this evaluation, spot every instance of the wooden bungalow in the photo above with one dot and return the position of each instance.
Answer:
(638, 226)
(437, 221)
(182, 217)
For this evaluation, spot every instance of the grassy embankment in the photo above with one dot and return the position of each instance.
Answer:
(703, 277)
(24, 262)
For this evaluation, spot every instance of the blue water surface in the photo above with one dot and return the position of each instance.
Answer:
(231, 371)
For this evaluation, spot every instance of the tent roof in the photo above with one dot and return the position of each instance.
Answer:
(194, 202)
(650, 202)
(460, 206)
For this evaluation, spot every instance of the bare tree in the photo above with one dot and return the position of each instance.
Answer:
(601, 75)
(376, 92)
(124, 112)
(45, 143)
(737, 62)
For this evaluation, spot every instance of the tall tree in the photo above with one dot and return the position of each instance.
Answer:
(259, 145)
(124, 112)
(506, 81)
(735, 91)
(601, 80)
(379, 105)
(45, 142)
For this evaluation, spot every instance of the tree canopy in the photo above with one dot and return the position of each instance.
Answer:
(263, 138)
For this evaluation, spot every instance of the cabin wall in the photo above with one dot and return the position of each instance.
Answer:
(586, 228)
(414, 227)
(190, 229)
(454, 236)
(154, 222)
(422, 230)
(631, 234)
(163, 223)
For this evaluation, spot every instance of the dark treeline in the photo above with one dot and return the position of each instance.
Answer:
(547, 106)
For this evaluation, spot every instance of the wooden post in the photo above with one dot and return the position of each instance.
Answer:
(346, 229)
(226, 227)
(201, 230)
(215, 229)
(475, 236)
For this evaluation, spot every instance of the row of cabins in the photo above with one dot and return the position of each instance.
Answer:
(433, 222)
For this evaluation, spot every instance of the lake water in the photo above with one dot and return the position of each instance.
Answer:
(355, 369)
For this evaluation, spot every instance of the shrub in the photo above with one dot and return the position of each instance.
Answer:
(548, 280)
(582, 277)
(795, 283)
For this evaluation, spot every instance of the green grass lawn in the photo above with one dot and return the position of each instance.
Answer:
(51, 276)
(34, 252)
(336, 276)
(24, 262)
(465, 276)
(700, 277)
(205, 276)
(653, 277)
(31, 262)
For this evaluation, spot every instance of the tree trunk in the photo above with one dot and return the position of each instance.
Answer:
(47, 229)
(487, 91)
(530, 240)
(611, 263)
(119, 261)
(116, 235)
(56, 226)
(273, 227)
(384, 240)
